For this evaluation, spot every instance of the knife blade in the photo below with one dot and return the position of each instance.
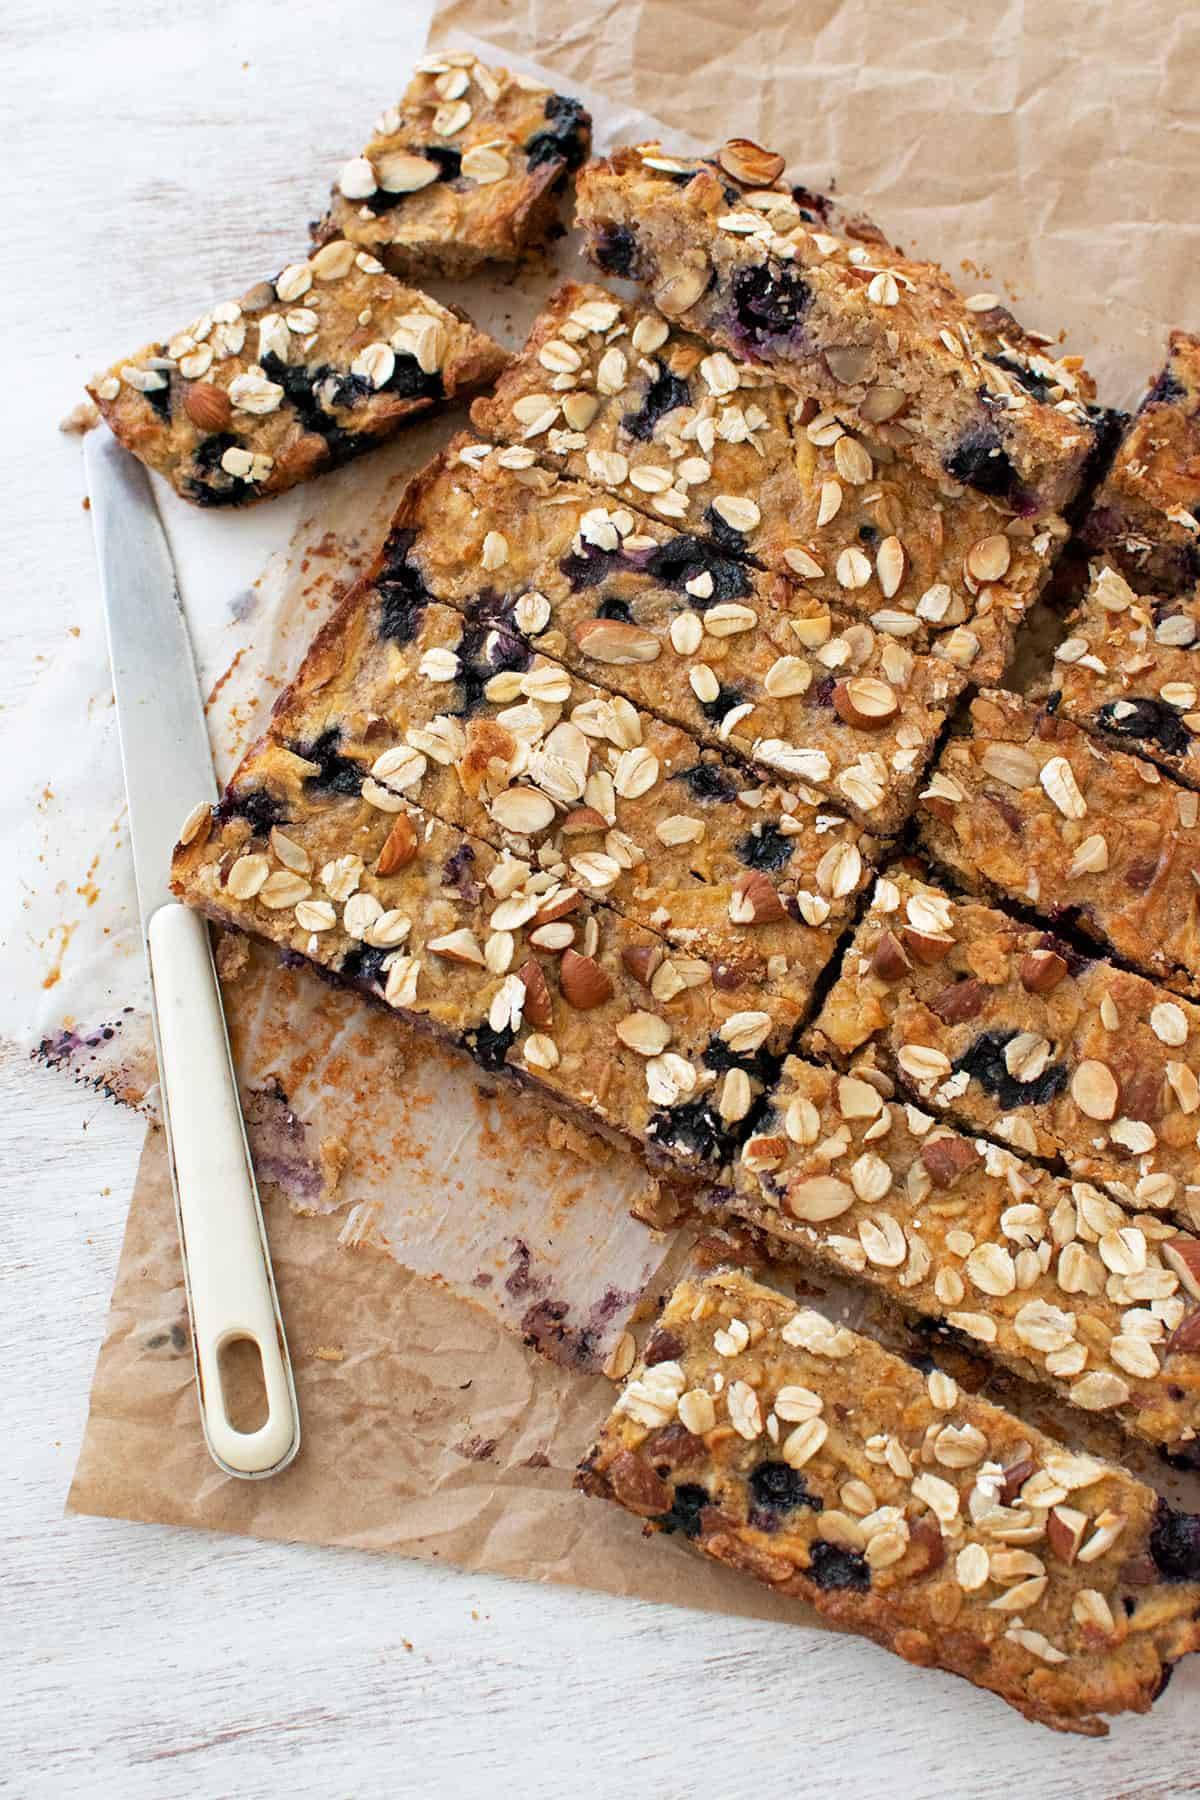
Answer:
(168, 771)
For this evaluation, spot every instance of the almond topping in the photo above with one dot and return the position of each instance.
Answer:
(399, 848)
(584, 983)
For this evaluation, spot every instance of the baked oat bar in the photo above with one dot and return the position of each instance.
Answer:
(1056, 1280)
(298, 376)
(1129, 669)
(936, 1524)
(760, 270)
(1030, 808)
(742, 660)
(753, 877)
(467, 168)
(1146, 513)
(313, 853)
(1003, 1028)
(616, 394)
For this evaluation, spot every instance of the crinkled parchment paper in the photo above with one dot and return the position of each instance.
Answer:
(1049, 157)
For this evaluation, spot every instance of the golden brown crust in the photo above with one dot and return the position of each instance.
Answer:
(748, 266)
(806, 1457)
(614, 393)
(468, 168)
(299, 375)
(1029, 808)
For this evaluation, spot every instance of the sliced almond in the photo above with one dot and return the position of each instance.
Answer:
(882, 403)
(755, 901)
(865, 702)
(1041, 971)
(539, 1008)
(399, 847)
(641, 960)
(584, 983)
(989, 559)
(614, 641)
(749, 163)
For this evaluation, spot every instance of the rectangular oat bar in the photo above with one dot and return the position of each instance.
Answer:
(756, 879)
(940, 1526)
(743, 661)
(758, 269)
(304, 372)
(320, 859)
(614, 393)
(1056, 1280)
(1028, 807)
(1128, 670)
(1146, 513)
(469, 167)
(1004, 1029)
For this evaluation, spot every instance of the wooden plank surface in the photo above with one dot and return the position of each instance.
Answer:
(154, 154)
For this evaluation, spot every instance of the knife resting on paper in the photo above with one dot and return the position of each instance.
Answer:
(168, 772)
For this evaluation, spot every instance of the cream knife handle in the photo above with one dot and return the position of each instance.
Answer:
(226, 1263)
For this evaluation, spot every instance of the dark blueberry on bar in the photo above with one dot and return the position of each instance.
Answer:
(488, 1046)
(984, 1062)
(336, 773)
(814, 207)
(981, 462)
(664, 394)
(769, 305)
(725, 535)
(160, 398)
(1175, 1543)
(832, 1567)
(363, 965)
(449, 165)
(727, 698)
(209, 484)
(566, 137)
(1167, 390)
(588, 566)
(615, 250)
(687, 1503)
(410, 381)
(692, 1130)
(456, 873)
(869, 534)
(706, 782)
(776, 1488)
(766, 848)
(403, 595)
(1148, 720)
(611, 607)
(758, 1063)
(683, 557)
(256, 805)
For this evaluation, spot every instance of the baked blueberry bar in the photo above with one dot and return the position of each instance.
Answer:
(756, 879)
(315, 854)
(742, 660)
(1146, 513)
(1004, 1029)
(1055, 1279)
(942, 1527)
(759, 269)
(298, 376)
(467, 168)
(616, 394)
(1030, 808)
(1129, 668)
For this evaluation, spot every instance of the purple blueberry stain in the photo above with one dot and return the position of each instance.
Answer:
(983, 1061)
(769, 304)
(831, 1567)
(775, 1490)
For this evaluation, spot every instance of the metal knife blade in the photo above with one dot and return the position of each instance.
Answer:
(168, 771)
(164, 739)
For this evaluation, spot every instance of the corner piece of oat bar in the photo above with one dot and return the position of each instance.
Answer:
(1029, 808)
(299, 375)
(467, 168)
(733, 253)
(794, 1450)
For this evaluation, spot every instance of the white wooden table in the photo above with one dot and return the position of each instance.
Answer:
(153, 153)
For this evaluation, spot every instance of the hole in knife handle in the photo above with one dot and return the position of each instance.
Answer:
(243, 1384)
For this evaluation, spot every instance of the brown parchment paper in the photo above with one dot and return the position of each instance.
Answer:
(1049, 154)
